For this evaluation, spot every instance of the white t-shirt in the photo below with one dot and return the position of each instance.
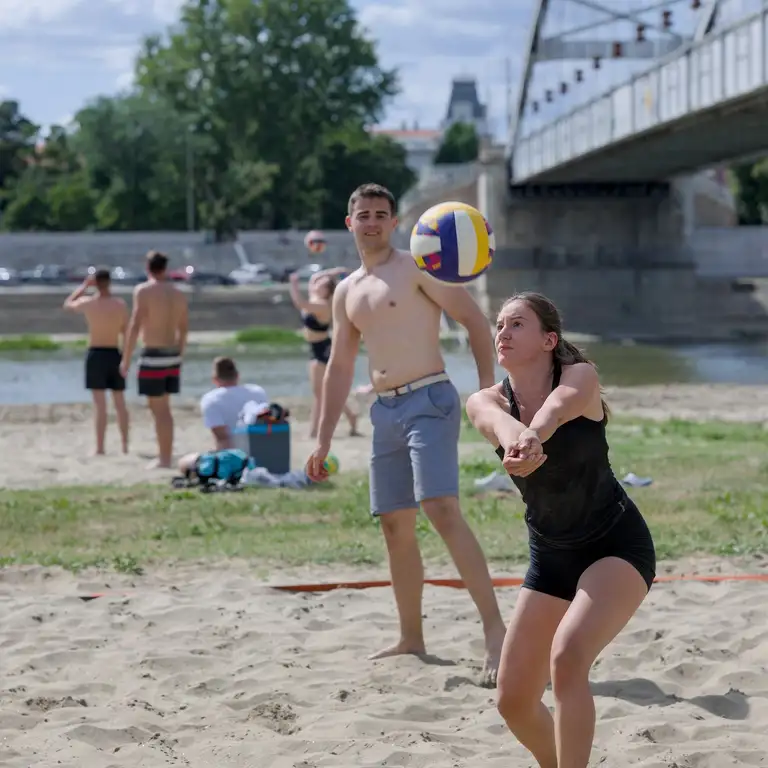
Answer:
(221, 406)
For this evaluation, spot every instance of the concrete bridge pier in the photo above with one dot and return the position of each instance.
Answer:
(619, 260)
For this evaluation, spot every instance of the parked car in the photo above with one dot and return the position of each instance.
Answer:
(193, 276)
(127, 276)
(251, 274)
(307, 271)
(8, 277)
(280, 274)
(200, 277)
(45, 274)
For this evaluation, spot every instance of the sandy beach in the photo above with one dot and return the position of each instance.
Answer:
(206, 666)
(212, 669)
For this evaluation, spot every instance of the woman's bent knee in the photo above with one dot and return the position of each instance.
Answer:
(569, 665)
(514, 703)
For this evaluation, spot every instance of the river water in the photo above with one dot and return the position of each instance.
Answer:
(27, 378)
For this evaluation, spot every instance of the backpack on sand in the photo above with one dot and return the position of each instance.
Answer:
(218, 470)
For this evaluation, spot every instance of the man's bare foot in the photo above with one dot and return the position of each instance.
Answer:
(157, 464)
(494, 640)
(401, 648)
(98, 452)
(353, 431)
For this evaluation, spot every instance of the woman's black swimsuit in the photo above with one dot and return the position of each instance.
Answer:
(577, 512)
(318, 350)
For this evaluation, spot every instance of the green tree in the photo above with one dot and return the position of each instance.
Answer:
(353, 157)
(18, 135)
(460, 145)
(265, 83)
(71, 203)
(136, 152)
(750, 186)
(42, 196)
(27, 207)
(56, 154)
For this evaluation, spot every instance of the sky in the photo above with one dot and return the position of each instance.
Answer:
(55, 55)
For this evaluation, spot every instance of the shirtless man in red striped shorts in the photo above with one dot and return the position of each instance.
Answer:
(161, 318)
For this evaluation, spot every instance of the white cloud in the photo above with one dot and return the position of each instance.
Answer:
(56, 54)
(17, 14)
(125, 80)
(166, 11)
(116, 58)
(432, 41)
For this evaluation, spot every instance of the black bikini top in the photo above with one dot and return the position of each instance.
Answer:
(311, 322)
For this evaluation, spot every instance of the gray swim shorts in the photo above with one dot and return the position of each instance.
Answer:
(415, 452)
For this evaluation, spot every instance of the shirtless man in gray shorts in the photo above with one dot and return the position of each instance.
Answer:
(416, 416)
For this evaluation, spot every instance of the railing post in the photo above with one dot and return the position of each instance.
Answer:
(764, 38)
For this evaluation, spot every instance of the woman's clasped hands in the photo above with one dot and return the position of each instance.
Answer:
(525, 455)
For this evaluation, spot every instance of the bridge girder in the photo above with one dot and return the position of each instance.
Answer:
(559, 48)
(707, 20)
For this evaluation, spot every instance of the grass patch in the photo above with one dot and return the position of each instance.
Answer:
(267, 334)
(709, 496)
(28, 343)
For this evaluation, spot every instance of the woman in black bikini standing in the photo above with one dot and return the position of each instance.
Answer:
(316, 314)
(592, 558)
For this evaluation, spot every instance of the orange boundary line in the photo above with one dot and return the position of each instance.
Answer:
(512, 581)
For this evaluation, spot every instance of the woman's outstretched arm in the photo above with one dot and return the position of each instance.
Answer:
(488, 412)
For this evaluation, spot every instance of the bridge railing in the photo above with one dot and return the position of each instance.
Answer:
(724, 66)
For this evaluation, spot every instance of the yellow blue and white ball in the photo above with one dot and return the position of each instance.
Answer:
(331, 464)
(453, 242)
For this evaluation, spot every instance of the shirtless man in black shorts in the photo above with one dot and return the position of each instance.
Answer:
(161, 318)
(107, 318)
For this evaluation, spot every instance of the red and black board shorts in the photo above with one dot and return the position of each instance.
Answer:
(159, 372)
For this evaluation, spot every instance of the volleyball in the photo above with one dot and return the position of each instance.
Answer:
(315, 241)
(331, 464)
(453, 242)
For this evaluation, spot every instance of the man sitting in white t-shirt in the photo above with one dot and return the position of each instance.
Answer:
(221, 406)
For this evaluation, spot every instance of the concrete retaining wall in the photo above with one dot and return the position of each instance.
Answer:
(127, 249)
(215, 309)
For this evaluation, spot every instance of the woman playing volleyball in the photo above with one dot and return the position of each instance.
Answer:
(592, 558)
(316, 319)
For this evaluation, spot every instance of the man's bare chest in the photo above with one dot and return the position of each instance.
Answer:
(373, 301)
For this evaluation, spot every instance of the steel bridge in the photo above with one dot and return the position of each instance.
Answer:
(637, 91)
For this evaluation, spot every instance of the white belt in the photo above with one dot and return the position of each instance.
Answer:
(414, 385)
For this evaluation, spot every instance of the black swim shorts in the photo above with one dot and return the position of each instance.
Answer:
(102, 369)
(556, 572)
(320, 351)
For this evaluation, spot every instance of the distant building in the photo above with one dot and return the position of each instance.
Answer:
(464, 106)
(420, 145)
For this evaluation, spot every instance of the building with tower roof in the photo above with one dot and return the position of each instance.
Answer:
(464, 106)
(421, 144)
